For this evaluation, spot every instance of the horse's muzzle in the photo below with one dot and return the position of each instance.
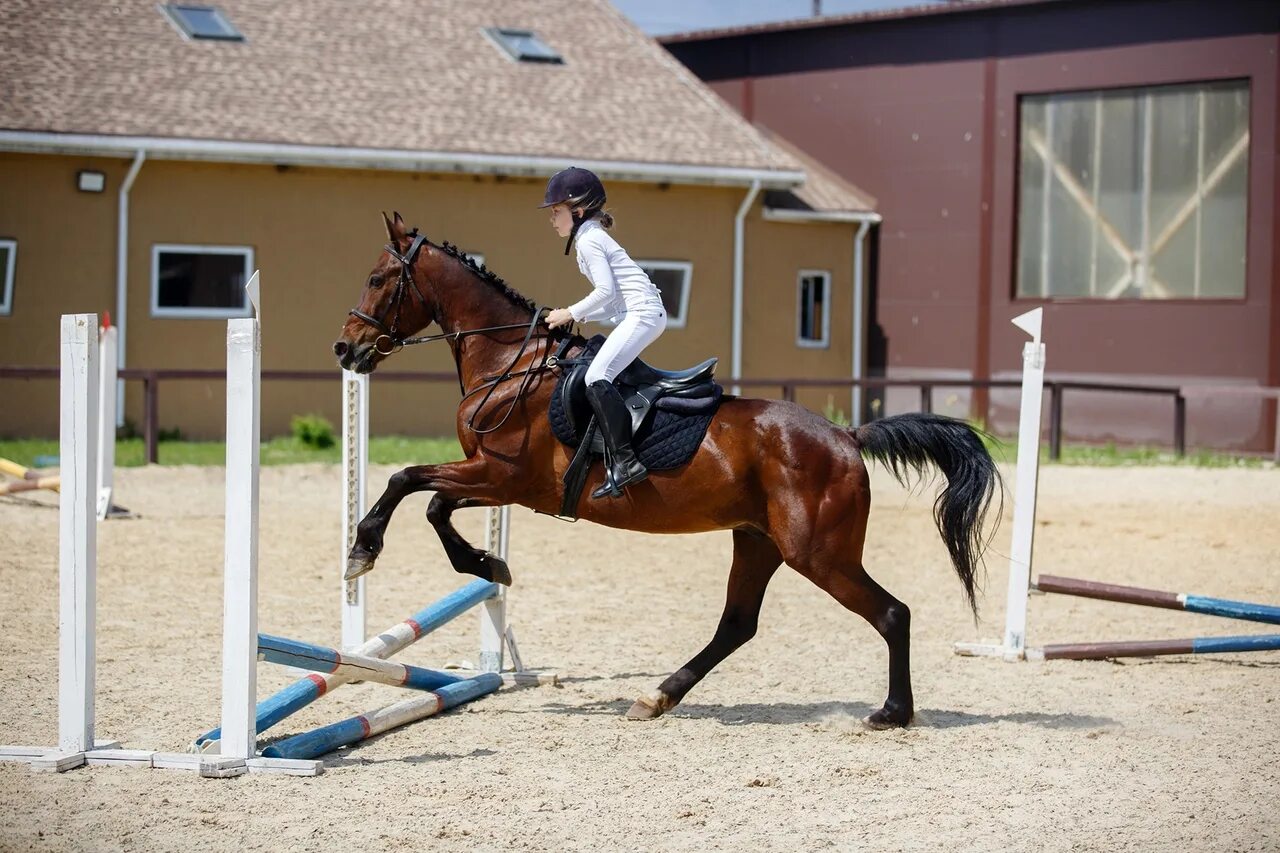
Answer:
(360, 358)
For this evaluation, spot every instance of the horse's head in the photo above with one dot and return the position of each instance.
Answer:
(397, 301)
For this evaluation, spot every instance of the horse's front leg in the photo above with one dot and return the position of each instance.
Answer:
(463, 556)
(471, 478)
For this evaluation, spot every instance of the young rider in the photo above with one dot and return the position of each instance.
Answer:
(621, 290)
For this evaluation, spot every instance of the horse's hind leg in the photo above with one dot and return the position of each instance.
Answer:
(755, 559)
(848, 583)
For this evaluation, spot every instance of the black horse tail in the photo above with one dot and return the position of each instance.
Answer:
(908, 443)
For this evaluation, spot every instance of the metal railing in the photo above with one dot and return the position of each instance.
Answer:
(1056, 391)
(151, 380)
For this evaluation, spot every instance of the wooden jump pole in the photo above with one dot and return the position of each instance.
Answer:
(1151, 648)
(355, 667)
(1226, 608)
(52, 484)
(303, 692)
(318, 742)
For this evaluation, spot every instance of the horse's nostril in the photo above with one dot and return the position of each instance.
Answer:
(340, 348)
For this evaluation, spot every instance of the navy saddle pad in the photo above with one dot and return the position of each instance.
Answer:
(671, 430)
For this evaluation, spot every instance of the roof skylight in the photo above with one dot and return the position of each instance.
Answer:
(523, 45)
(202, 22)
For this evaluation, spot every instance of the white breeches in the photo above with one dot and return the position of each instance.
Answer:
(633, 334)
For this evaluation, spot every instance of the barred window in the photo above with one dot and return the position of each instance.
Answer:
(1134, 193)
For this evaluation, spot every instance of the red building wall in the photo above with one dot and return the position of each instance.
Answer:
(922, 111)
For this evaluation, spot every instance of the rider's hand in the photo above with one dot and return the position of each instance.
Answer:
(559, 317)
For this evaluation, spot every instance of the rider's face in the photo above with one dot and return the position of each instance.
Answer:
(561, 219)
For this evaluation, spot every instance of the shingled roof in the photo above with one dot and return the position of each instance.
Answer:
(376, 76)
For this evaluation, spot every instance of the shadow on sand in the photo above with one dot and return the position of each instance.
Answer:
(788, 713)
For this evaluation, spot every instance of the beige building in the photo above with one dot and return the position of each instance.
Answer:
(154, 155)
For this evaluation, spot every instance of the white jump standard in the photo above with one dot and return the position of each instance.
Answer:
(1014, 647)
(231, 750)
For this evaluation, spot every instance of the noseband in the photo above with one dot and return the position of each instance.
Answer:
(391, 333)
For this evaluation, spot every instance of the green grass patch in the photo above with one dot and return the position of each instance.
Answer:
(405, 450)
(284, 450)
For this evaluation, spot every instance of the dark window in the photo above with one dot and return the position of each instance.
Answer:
(672, 280)
(202, 22)
(8, 256)
(523, 45)
(196, 281)
(814, 321)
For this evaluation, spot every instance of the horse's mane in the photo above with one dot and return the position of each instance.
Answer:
(486, 275)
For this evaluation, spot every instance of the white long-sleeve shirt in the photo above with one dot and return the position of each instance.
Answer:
(618, 284)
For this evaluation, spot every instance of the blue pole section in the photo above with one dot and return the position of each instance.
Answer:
(318, 742)
(357, 667)
(1253, 643)
(302, 693)
(1232, 609)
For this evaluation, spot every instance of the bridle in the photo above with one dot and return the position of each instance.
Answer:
(391, 334)
(396, 342)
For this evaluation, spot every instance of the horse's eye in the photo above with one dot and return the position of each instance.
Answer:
(375, 280)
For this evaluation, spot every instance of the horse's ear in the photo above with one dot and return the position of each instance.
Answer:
(391, 234)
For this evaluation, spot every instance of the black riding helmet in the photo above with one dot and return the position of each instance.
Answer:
(576, 188)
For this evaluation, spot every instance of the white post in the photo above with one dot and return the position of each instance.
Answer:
(78, 537)
(493, 615)
(107, 356)
(1024, 499)
(240, 581)
(355, 455)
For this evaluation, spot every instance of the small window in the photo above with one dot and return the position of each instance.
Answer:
(672, 280)
(523, 45)
(8, 259)
(200, 282)
(202, 22)
(814, 316)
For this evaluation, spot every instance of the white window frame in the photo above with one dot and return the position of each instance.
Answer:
(685, 267)
(198, 313)
(801, 340)
(6, 295)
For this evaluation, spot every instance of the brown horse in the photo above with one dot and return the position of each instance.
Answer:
(791, 486)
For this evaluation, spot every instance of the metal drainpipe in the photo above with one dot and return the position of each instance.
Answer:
(738, 240)
(859, 342)
(122, 275)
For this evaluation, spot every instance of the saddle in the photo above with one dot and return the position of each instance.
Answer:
(670, 412)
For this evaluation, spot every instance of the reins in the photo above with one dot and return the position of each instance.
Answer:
(395, 342)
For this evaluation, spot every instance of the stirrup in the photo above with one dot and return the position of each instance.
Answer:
(607, 489)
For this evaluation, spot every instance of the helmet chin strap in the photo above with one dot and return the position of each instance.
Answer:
(573, 232)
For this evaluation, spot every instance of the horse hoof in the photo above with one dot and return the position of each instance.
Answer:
(357, 566)
(498, 571)
(887, 719)
(649, 707)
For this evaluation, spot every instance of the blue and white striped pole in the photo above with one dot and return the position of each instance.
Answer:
(318, 742)
(303, 692)
(355, 667)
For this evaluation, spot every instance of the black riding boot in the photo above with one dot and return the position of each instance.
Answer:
(622, 468)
